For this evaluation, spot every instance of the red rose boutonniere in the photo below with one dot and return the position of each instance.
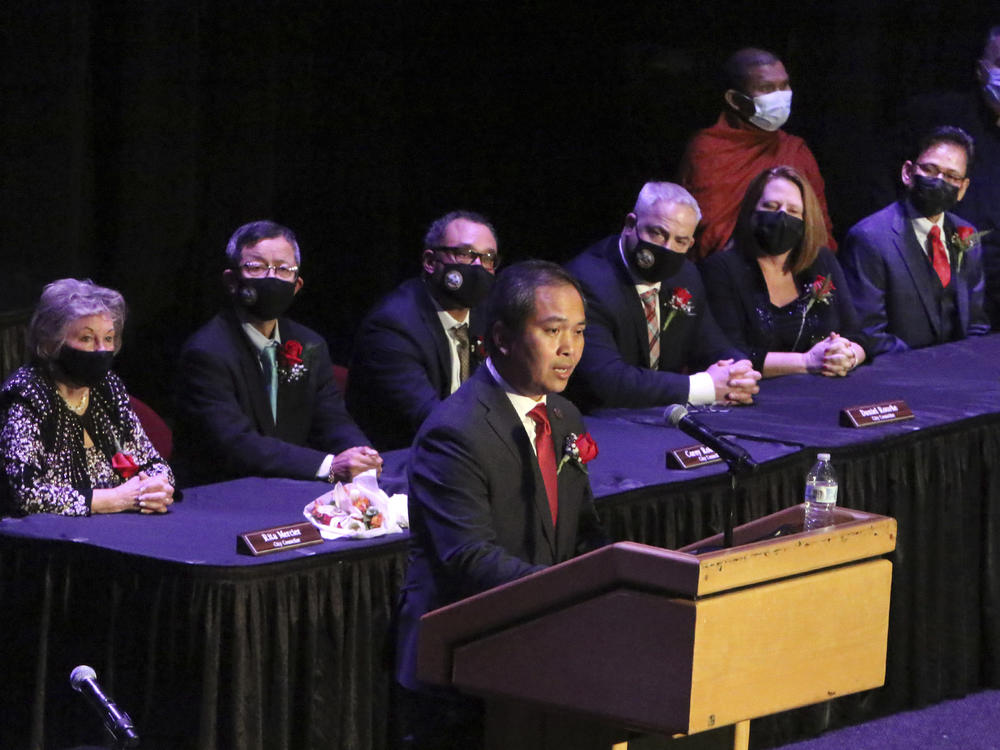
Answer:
(964, 239)
(680, 301)
(125, 465)
(581, 449)
(291, 367)
(820, 290)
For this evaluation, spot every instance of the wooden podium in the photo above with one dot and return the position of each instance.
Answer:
(679, 642)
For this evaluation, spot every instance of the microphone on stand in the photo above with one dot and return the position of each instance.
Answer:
(117, 722)
(738, 460)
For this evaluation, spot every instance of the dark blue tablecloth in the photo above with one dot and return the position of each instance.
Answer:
(942, 385)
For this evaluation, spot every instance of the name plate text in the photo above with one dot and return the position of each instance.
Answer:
(872, 414)
(277, 538)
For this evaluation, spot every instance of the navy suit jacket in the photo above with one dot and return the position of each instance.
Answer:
(224, 423)
(886, 270)
(614, 370)
(479, 515)
(401, 368)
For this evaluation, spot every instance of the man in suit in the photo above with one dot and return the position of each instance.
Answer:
(256, 394)
(915, 276)
(648, 319)
(425, 337)
(488, 503)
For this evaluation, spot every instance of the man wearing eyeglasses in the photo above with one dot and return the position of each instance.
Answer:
(915, 269)
(256, 394)
(425, 338)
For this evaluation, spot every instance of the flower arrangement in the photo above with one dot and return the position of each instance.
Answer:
(580, 449)
(680, 301)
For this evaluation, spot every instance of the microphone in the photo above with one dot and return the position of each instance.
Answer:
(117, 722)
(738, 460)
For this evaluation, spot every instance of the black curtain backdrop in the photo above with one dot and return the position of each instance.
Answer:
(137, 136)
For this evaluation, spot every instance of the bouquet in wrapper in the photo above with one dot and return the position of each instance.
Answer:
(358, 510)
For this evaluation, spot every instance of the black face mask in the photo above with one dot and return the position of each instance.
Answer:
(776, 232)
(84, 367)
(932, 195)
(462, 285)
(652, 262)
(266, 298)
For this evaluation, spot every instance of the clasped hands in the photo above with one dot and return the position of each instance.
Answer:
(353, 461)
(834, 356)
(147, 494)
(735, 381)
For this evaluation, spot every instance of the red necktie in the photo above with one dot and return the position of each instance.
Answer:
(940, 260)
(546, 457)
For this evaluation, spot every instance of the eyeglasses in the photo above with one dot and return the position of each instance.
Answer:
(256, 270)
(466, 254)
(930, 169)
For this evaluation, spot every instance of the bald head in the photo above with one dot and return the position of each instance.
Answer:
(739, 67)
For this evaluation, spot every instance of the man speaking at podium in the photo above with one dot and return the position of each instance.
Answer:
(491, 498)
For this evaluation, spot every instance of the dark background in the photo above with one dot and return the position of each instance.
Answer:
(137, 135)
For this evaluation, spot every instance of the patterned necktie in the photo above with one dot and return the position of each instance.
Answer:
(649, 302)
(546, 457)
(461, 335)
(940, 256)
(269, 364)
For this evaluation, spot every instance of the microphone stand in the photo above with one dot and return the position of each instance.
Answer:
(738, 468)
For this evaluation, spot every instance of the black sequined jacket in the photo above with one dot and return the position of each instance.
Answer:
(45, 466)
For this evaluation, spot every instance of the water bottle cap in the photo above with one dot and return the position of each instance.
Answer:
(823, 456)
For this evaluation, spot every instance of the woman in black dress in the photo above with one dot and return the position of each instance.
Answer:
(777, 292)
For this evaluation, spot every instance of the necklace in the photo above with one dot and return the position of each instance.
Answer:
(80, 406)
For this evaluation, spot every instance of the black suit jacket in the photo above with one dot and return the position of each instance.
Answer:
(479, 515)
(401, 368)
(741, 304)
(893, 292)
(224, 423)
(614, 370)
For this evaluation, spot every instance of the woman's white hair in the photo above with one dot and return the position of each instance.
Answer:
(64, 301)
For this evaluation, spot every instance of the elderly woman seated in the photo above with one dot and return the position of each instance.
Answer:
(776, 291)
(70, 442)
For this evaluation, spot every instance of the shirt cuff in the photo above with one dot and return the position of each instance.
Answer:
(702, 389)
(324, 468)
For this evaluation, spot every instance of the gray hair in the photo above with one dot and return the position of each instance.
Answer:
(666, 192)
(435, 232)
(250, 234)
(65, 301)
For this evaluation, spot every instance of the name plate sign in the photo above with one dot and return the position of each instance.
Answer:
(277, 538)
(872, 414)
(691, 457)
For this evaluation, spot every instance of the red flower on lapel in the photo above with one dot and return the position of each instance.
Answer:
(125, 465)
(581, 449)
(680, 301)
(291, 353)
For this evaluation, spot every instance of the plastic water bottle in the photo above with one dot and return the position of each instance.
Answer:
(821, 494)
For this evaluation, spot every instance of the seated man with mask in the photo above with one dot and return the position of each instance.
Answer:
(256, 395)
(721, 160)
(648, 320)
(425, 338)
(915, 273)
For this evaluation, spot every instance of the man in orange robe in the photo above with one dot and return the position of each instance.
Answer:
(721, 160)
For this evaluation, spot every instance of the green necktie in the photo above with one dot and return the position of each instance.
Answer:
(269, 362)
